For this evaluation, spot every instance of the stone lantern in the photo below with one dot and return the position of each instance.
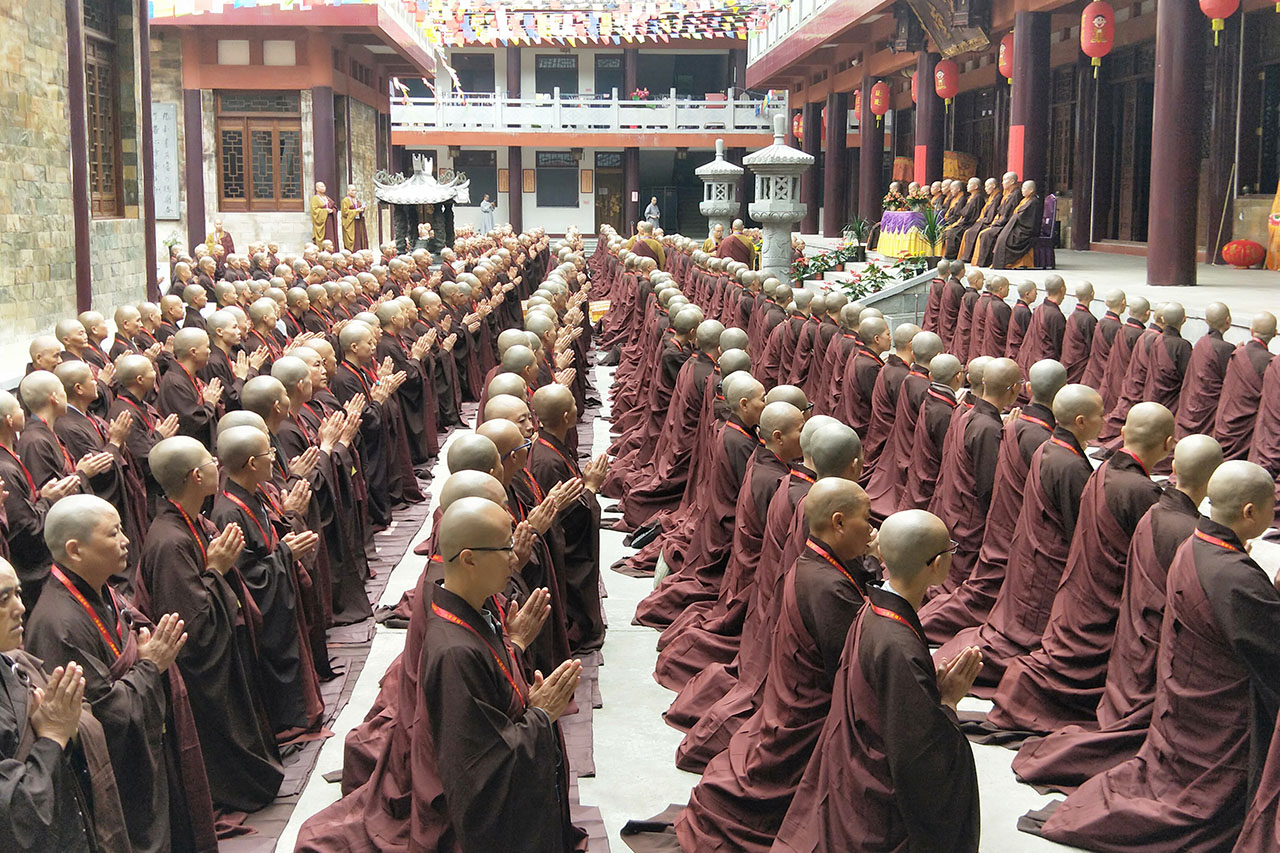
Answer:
(777, 206)
(720, 203)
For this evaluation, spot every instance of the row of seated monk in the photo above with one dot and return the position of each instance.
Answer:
(190, 506)
(1030, 551)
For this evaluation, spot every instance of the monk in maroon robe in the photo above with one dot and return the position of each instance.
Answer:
(1067, 758)
(828, 388)
(1264, 448)
(932, 424)
(995, 321)
(1077, 339)
(1217, 683)
(775, 361)
(1134, 383)
(1019, 318)
(884, 396)
(1122, 351)
(1044, 334)
(969, 458)
(1262, 823)
(891, 769)
(182, 393)
(949, 309)
(862, 369)
(1242, 389)
(746, 790)
(969, 605)
(1061, 682)
(1104, 341)
(737, 246)
(1205, 373)
(1170, 355)
(933, 302)
(962, 345)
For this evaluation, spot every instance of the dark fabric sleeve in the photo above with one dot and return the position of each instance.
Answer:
(28, 798)
(827, 609)
(1064, 486)
(983, 441)
(1246, 607)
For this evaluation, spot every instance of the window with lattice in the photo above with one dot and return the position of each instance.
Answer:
(259, 151)
(102, 109)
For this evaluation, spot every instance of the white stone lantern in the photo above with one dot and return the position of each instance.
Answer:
(777, 206)
(720, 203)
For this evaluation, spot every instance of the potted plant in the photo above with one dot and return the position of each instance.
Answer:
(931, 233)
(855, 236)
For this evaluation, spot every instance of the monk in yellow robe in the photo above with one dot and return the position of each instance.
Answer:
(354, 235)
(324, 225)
(1273, 234)
(713, 242)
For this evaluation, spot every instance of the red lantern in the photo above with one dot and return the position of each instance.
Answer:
(913, 86)
(824, 125)
(880, 99)
(1004, 58)
(1097, 32)
(946, 80)
(857, 103)
(797, 126)
(1243, 254)
(1219, 11)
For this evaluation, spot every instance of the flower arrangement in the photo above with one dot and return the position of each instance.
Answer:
(894, 200)
(640, 94)
(917, 199)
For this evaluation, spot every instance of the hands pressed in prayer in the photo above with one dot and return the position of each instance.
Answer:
(301, 544)
(553, 693)
(350, 429)
(224, 549)
(107, 373)
(4, 492)
(213, 391)
(449, 342)
(420, 347)
(542, 515)
(330, 431)
(57, 489)
(563, 359)
(873, 547)
(355, 405)
(522, 542)
(525, 622)
(118, 429)
(339, 326)
(431, 337)
(956, 676)
(55, 708)
(566, 493)
(258, 357)
(1013, 414)
(566, 376)
(241, 367)
(298, 498)
(594, 473)
(168, 427)
(93, 464)
(162, 645)
(386, 368)
(153, 352)
(305, 462)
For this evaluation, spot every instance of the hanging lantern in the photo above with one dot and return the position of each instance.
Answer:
(857, 103)
(879, 99)
(1004, 58)
(797, 126)
(913, 86)
(1219, 11)
(946, 80)
(824, 126)
(1097, 32)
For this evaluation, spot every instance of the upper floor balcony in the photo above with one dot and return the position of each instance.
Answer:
(667, 120)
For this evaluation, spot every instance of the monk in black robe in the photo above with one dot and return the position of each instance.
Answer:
(1242, 389)
(497, 742)
(891, 769)
(1018, 235)
(1061, 682)
(746, 790)
(1217, 694)
(128, 679)
(1206, 371)
(188, 567)
(1068, 757)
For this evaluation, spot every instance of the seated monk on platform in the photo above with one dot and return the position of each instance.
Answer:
(891, 769)
(60, 793)
(1206, 371)
(1067, 758)
(1104, 338)
(1041, 540)
(932, 424)
(492, 731)
(969, 459)
(746, 790)
(1243, 389)
(993, 197)
(1014, 248)
(1061, 682)
(969, 605)
(985, 243)
(1217, 682)
(963, 219)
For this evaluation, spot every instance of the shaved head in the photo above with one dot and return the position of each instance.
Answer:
(551, 402)
(738, 387)
(944, 368)
(779, 417)
(733, 338)
(836, 450)
(1263, 325)
(518, 358)
(262, 394)
(173, 460)
(910, 540)
(514, 409)
(830, 497)
(810, 430)
(1173, 314)
(75, 517)
(472, 452)
(1238, 489)
(1046, 378)
(472, 484)
(1115, 300)
(1195, 458)
(1000, 380)
(709, 332)
(904, 335)
(38, 387)
(1217, 316)
(242, 417)
(1075, 401)
(786, 394)
(975, 370)
(1139, 308)
(237, 445)
(472, 523)
(507, 383)
(1148, 426)
(925, 346)
(733, 360)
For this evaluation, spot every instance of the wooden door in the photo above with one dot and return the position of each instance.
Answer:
(609, 192)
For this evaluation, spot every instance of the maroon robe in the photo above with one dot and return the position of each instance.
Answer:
(965, 481)
(1044, 335)
(1170, 355)
(1218, 683)
(1118, 362)
(933, 305)
(736, 246)
(24, 512)
(891, 769)
(995, 340)
(978, 334)
(1019, 322)
(1241, 399)
(863, 367)
(181, 393)
(1262, 823)
(1134, 385)
(1202, 385)
(1067, 758)
(1077, 341)
(1264, 448)
(889, 469)
(884, 404)
(949, 311)
(775, 363)
(1061, 682)
(746, 790)
(969, 605)
(962, 344)
(830, 382)
(932, 425)
(808, 346)
(1103, 341)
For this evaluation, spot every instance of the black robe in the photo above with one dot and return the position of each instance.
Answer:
(24, 512)
(181, 393)
(375, 447)
(1019, 234)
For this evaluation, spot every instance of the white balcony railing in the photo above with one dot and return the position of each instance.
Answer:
(598, 113)
(784, 21)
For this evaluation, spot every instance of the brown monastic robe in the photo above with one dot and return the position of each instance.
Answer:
(1044, 336)
(1170, 355)
(949, 310)
(24, 512)
(1262, 823)
(1018, 236)
(181, 393)
(862, 368)
(1134, 384)
(1118, 362)
(884, 404)
(1202, 385)
(1264, 447)
(932, 424)
(985, 246)
(1069, 756)
(1217, 694)
(1019, 322)
(889, 472)
(995, 338)
(1103, 341)
(891, 770)
(1077, 341)
(1061, 682)
(1241, 399)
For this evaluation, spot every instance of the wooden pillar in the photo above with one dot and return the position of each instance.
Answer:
(324, 146)
(631, 189)
(513, 71)
(851, 173)
(80, 211)
(1220, 188)
(1175, 144)
(630, 59)
(1029, 115)
(870, 158)
(1086, 122)
(738, 58)
(1000, 140)
(515, 187)
(193, 165)
(927, 157)
(147, 149)
(835, 158)
(811, 115)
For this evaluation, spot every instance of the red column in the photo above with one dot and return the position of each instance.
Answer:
(871, 186)
(927, 157)
(1029, 116)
